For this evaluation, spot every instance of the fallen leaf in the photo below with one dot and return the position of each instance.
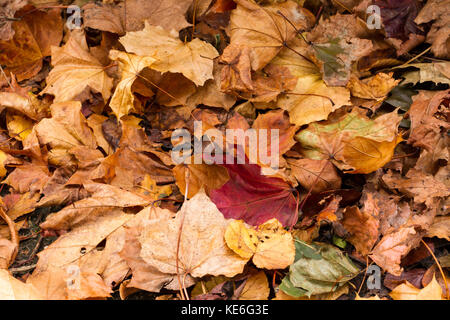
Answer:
(318, 268)
(256, 287)
(193, 59)
(311, 100)
(34, 34)
(407, 291)
(352, 142)
(255, 198)
(13, 289)
(75, 68)
(131, 14)
(202, 249)
(122, 101)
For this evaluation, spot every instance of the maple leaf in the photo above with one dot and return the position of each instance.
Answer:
(315, 175)
(66, 129)
(75, 68)
(376, 87)
(34, 34)
(200, 176)
(202, 249)
(352, 142)
(407, 291)
(255, 198)
(193, 59)
(362, 227)
(122, 101)
(311, 100)
(425, 126)
(257, 34)
(438, 12)
(130, 15)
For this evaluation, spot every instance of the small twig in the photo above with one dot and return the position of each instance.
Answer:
(24, 268)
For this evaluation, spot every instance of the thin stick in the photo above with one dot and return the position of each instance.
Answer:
(180, 282)
(14, 234)
(440, 269)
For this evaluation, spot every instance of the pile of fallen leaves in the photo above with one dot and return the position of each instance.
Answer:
(93, 205)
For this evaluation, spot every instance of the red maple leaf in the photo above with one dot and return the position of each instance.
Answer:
(255, 198)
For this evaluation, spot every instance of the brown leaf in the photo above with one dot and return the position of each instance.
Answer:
(202, 249)
(75, 68)
(34, 34)
(131, 14)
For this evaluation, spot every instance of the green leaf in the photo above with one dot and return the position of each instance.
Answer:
(341, 243)
(287, 287)
(328, 55)
(314, 275)
(401, 97)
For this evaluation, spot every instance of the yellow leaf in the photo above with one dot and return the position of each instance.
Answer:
(193, 59)
(241, 239)
(271, 246)
(122, 102)
(376, 87)
(149, 188)
(311, 100)
(19, 127)
(406, 291)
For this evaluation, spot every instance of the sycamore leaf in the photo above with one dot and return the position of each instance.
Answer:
(352, 142)
(200, 175)
(311, 100)
(122, 101)
(35, 32)
(65, 130)
(193, 59)
(407, 291)
(75, 68)
(202, 249)
(129, 15)
(318, 268)
(255, 198)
